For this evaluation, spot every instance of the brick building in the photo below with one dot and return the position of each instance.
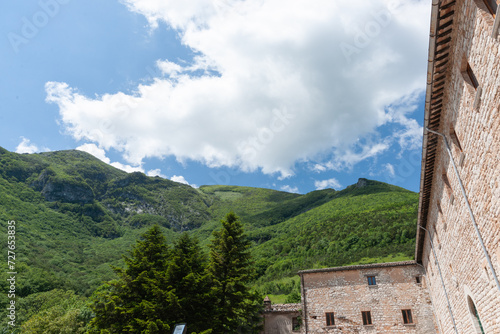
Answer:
(373, 298)
(460, 177)
(458, 234)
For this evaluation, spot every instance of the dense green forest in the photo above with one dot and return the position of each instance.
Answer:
(76, 216)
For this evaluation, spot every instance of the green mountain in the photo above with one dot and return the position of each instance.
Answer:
(76, 215)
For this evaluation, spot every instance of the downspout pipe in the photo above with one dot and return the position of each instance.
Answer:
(442, 280)
(485, 251)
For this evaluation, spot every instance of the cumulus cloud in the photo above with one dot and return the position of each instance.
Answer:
(97, 152)
(348, 157)
(271, 85)
(290, 189)
(25, 146)
(127, 168)
(181, 179)
(330, 183)
(155, 172)
(100, 154)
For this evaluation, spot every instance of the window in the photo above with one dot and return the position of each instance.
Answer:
(438, 203)
(454, 138)
(475, 316)
(446, 182)
(418, 279)
(461, 159)
(371, 280)
(472, 80)
(492, 6)
(407, 318)
(295, 324)
(486, 273)
(330, 319)
(367, 317)
(435, 234)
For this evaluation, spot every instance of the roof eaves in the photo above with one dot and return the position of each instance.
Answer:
(440, 40)
(360, 266)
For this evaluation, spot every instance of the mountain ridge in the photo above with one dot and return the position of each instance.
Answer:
(77, 215)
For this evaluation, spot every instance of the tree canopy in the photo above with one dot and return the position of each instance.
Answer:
(231, 269)
(161, 286)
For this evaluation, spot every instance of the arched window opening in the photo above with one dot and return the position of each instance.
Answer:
(475, 316)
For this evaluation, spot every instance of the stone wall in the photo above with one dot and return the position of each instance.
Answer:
(470, 121)
(281, 318)
(345, 292)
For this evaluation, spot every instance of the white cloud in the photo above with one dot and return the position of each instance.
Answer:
(97, 152)
(292, 82)
(319, 168)
(290, 189)
(100, 154)
(25, 146)
(409, 136)
(389, 168)
(347, 158)
(127, 168)
(330, 183)
(155, 172)
(181, 179)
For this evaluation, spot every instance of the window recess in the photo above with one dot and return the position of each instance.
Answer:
(330, 319)
(367, 318)
(407, 317)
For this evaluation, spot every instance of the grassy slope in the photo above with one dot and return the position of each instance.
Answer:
(371, 222)
(73, 243)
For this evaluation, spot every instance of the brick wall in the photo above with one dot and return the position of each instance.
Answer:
(473, 132)
(345, 292)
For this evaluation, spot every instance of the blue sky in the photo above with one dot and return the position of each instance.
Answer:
(294, 95)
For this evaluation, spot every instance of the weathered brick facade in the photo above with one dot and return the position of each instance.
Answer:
(463, 97)
(346, 292)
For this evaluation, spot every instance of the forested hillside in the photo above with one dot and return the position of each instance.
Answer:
(76, 215)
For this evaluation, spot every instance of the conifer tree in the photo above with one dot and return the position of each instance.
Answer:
(189, 280)
(140, 300)
(236, 307)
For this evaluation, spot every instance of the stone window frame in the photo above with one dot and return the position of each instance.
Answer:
(473, 83)
(330, 318)
(366, 316)
(469, 300)
(457, 144)
(371, 280)
(470, 77)
(407, 317)
(455, 138)
(474, 314)
(447, 184)
(491, 15)
(490, 6)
